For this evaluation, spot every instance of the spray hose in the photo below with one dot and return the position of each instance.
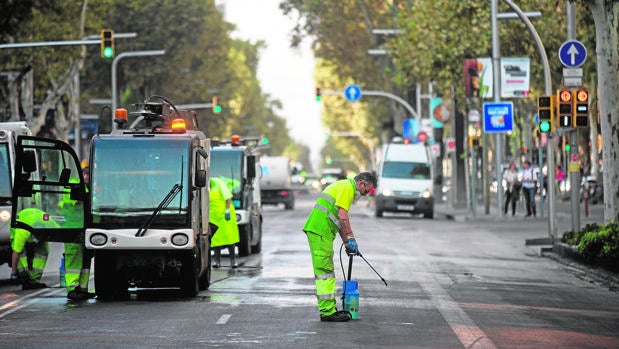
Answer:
(350, 265)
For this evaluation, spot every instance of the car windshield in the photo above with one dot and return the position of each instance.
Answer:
(406, 170)
(226, 165)
(130, 176)
(5, 175)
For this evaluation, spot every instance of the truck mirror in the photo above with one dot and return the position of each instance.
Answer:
(30, 161)
(251, 167)
(200, 178)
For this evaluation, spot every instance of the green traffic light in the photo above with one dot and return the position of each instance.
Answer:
(568, 147)
(265, 140)
(318, 98)
(544, 126)
(217, 109)
(108, 52)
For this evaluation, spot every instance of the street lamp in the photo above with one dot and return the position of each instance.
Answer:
(115, 62)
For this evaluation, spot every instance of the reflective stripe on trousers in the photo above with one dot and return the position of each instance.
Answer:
(322, 261)
(77, 268)
(39, 260)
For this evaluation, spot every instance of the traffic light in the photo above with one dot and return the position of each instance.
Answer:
(216, 107)
(107, 43)
(581, 107)
(265, 140)
(545, 114)
(318, 95)
(565, 98)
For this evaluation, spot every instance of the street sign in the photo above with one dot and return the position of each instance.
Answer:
(572, 54)
(498, 117)
(451, 144)
(352, 93)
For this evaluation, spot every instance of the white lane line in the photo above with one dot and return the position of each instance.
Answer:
(471, 336)
(25, 301)
(223, 319)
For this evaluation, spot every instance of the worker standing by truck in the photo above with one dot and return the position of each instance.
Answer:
(328, 217)
(223, 216)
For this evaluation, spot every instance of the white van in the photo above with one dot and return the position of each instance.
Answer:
(405, 174)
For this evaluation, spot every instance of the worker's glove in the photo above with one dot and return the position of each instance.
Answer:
(227, 215)
(351, 247)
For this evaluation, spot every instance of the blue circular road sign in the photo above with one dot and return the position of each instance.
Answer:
(572, 53)
(352, 93)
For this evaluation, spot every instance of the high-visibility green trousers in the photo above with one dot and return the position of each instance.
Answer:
(321, 249)
(33, 273)
(77, 266)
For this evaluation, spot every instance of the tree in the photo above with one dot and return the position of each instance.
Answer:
(606, 16)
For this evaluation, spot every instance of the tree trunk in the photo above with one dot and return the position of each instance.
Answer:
(606, 16)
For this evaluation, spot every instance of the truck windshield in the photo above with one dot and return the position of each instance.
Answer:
(130, 176)
(226, 164)
(406, 170)
(5, 175)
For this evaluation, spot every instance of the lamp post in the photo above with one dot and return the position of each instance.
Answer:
(115, 63)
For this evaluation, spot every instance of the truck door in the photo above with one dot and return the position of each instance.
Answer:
(50, 199)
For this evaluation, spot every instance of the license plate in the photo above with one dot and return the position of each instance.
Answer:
(406, 207)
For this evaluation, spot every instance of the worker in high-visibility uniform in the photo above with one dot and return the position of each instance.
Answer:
(23, 242)
(222, 215)
(76, 257)
(328, 217)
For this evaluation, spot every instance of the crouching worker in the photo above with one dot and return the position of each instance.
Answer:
(30, 255)
(223, 216)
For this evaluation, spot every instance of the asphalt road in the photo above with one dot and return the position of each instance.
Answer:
(451, 284)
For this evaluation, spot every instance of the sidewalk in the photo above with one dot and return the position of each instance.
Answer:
(542, 245)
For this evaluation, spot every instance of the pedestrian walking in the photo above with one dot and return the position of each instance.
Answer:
(529, 182)
(328, 217)
(512, 191)
(222, 215)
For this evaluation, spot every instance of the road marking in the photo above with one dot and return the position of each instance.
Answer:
(463, 326)
(24, 301)
(223, 319)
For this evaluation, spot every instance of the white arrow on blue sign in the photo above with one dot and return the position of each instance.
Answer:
(572, 54)
(352, 93)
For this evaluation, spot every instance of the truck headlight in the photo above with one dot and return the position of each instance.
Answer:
(98, 239)
(5, 215)
(180, 239)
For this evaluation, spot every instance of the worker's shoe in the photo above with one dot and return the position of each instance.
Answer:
(80, 295)
(338, 316)
(32, 285)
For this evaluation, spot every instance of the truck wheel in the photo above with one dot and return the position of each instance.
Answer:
(289, 205)
(189, 276)
(244, 240)
(110, 284)
(205, 278)
(258, 246)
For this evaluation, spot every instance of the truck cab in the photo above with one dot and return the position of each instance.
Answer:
(145, 215)
(237, 162)
(8, 138)
(276, 181)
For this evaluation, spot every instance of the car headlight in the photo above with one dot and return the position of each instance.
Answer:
(180, 239)
(98, 239)
(5, 215)
(427, 193)
(387, 192)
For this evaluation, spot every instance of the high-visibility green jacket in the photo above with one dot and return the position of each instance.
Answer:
(323, 220)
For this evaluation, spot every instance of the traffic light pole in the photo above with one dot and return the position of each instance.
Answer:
(548, 89)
